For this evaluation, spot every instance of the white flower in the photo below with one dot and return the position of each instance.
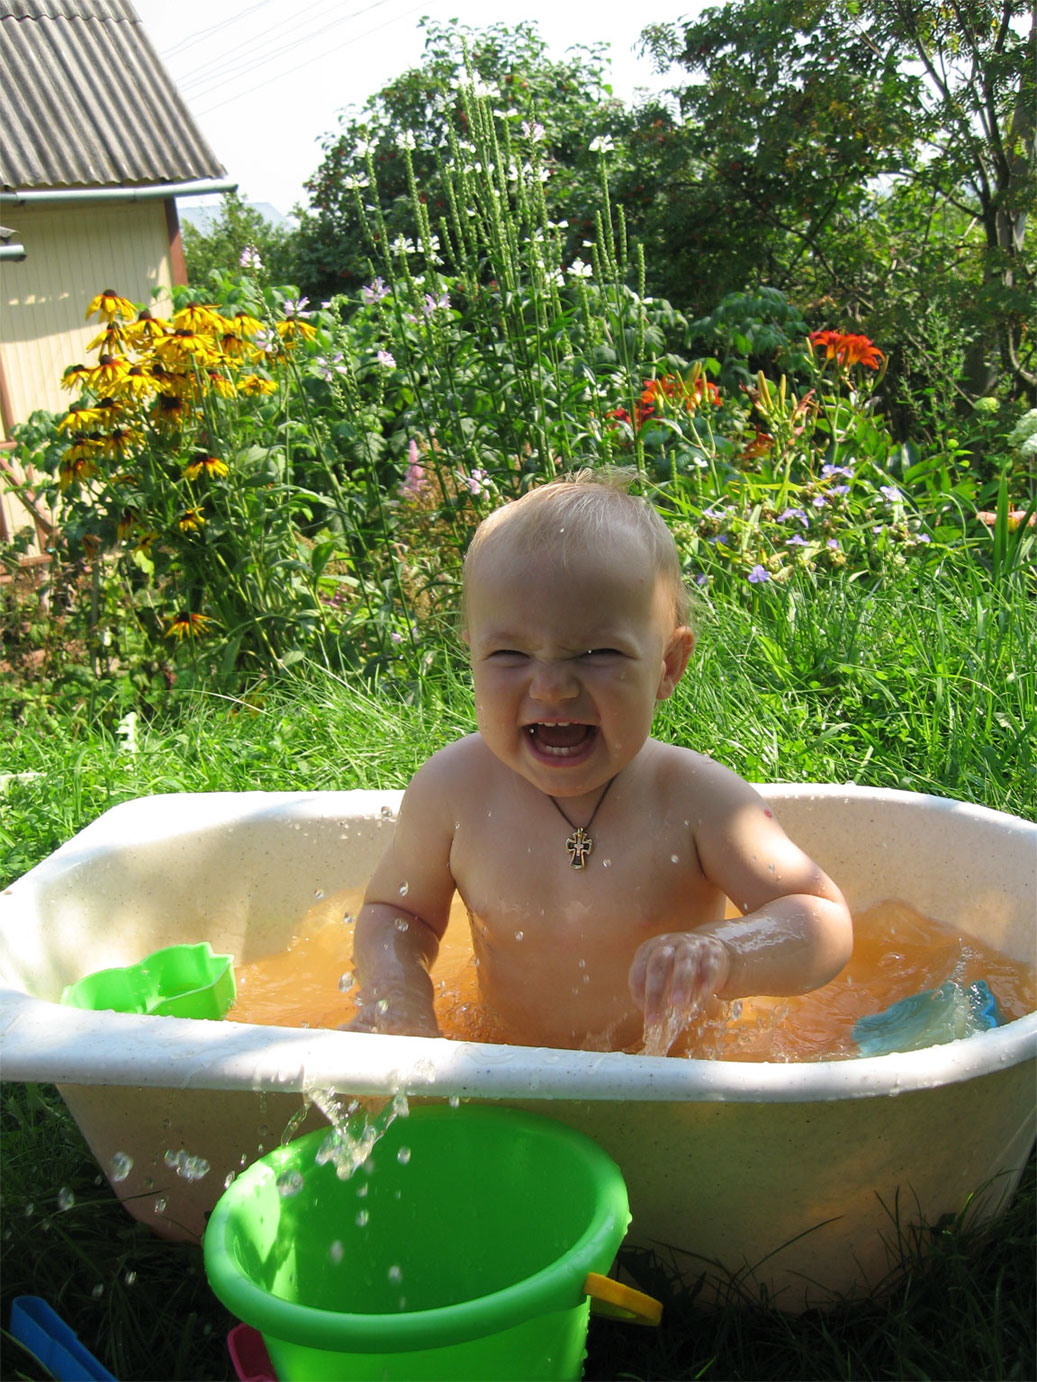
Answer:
(578, 269)
(353, 184)
(534, 131)
(1024, 430)
(401, 245)
(602, 144)
(407, 140)
(361, 149)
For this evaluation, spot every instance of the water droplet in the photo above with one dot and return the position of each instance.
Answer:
(289, 1183)
(348, 919)
(336, 1251)
(66, 1199)
(402, 924)
(149, 1183)
(130, 1278)
(98, 1291)
(403, 1155)
(382, 1006)
(606, 863)
(318, 893)
(519, 935)
(362, 1190)
(160, 1204)
(362, 1218)
(228, 1180)
(121, 1165)
(386, 813)
(454, 1101)
(675, 859)
(30, 1210)
(346, 983)
(404, 889)
(581, 964)
(395, 1273)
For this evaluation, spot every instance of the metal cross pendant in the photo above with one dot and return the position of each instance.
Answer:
(579, 844)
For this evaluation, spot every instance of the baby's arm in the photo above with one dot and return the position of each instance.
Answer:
(405, 913)
(795, 935)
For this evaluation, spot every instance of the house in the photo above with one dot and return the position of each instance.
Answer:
(97, 145)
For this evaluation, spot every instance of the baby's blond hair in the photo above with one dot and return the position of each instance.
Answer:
(581, 511)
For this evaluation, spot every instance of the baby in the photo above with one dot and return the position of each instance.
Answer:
(595, 861)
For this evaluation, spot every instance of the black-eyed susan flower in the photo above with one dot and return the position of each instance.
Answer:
(121, 442)
(139, 382)
(210, 466)
(170, 411)
(146, 330)
(108, 373)
(110, 305)
(190, 520)
(199, 316)
(294, 329)
(75, 377)
(127, 524)
(219, 382)
(111, 340)
(244, 324)
(254, 384)
(187, 625)
(75, 468)
(184, 344)
(82, 419)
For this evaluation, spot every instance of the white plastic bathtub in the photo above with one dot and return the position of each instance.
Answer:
(787, 1174)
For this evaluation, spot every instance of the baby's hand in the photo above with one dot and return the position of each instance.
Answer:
(673, 975)
(393, 1019)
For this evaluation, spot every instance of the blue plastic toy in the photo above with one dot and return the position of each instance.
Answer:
(929, 1019)
(46, 1335)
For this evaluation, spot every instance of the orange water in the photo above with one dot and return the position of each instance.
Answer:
(897, 952)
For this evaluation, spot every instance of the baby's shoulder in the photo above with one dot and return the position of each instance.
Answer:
(688, 774)
(453, 768)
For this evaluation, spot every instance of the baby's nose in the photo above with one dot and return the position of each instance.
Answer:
(553, 681)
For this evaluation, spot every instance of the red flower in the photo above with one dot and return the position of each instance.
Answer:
(847, 349)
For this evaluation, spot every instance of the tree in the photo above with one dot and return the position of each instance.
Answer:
(825, 134)
(568, 100)
(240, 237)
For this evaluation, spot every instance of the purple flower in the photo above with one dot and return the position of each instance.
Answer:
(330, 365)
(702, 579)
(819, 501)
(797, 540)
(832, 544)
(374, 292)
(758, 575)
(890, 492)
(829, 470)
(386, 358)
(794, 513)
(250, 258)
(839, 489)
(433, 304)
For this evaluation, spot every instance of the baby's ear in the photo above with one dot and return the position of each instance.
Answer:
(675, 660)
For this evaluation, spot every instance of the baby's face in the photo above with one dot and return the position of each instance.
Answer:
(569, 660)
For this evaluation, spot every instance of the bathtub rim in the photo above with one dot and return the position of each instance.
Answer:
(44, 1041)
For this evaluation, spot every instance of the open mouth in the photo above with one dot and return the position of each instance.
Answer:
(562, 740)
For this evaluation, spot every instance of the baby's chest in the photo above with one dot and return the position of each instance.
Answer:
(547, 881)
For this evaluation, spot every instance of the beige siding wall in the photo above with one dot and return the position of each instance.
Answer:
(72, 253)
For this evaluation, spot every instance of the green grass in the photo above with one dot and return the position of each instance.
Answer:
(928, 687)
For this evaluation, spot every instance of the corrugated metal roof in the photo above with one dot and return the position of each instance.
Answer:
(85, 101)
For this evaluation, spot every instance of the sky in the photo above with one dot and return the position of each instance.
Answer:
(266, 79)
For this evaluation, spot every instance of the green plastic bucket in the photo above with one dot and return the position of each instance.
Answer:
(460, 1249)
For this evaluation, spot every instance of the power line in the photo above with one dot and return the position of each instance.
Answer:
(269, 81)
(268, 42)
(200, 34)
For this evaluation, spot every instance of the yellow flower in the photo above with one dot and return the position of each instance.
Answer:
(170, 412)
(254, 384)
(75, 468)
(185, 344)
(190, 520)
(120, 442)
(75, 377)
(127, 523)
(111, 339)
(292, 327)
(146, 330)
(138, 383)
(82, 419)
(197, 316)
(110, 305)
(244, 325)
(108, 373)
(186, 625)
(207, 465)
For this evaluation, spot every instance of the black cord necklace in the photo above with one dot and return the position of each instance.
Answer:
(579, 844)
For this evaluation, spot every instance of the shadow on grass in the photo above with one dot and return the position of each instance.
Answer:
(960, 1304)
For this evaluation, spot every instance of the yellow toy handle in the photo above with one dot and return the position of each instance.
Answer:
(619, 1302)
